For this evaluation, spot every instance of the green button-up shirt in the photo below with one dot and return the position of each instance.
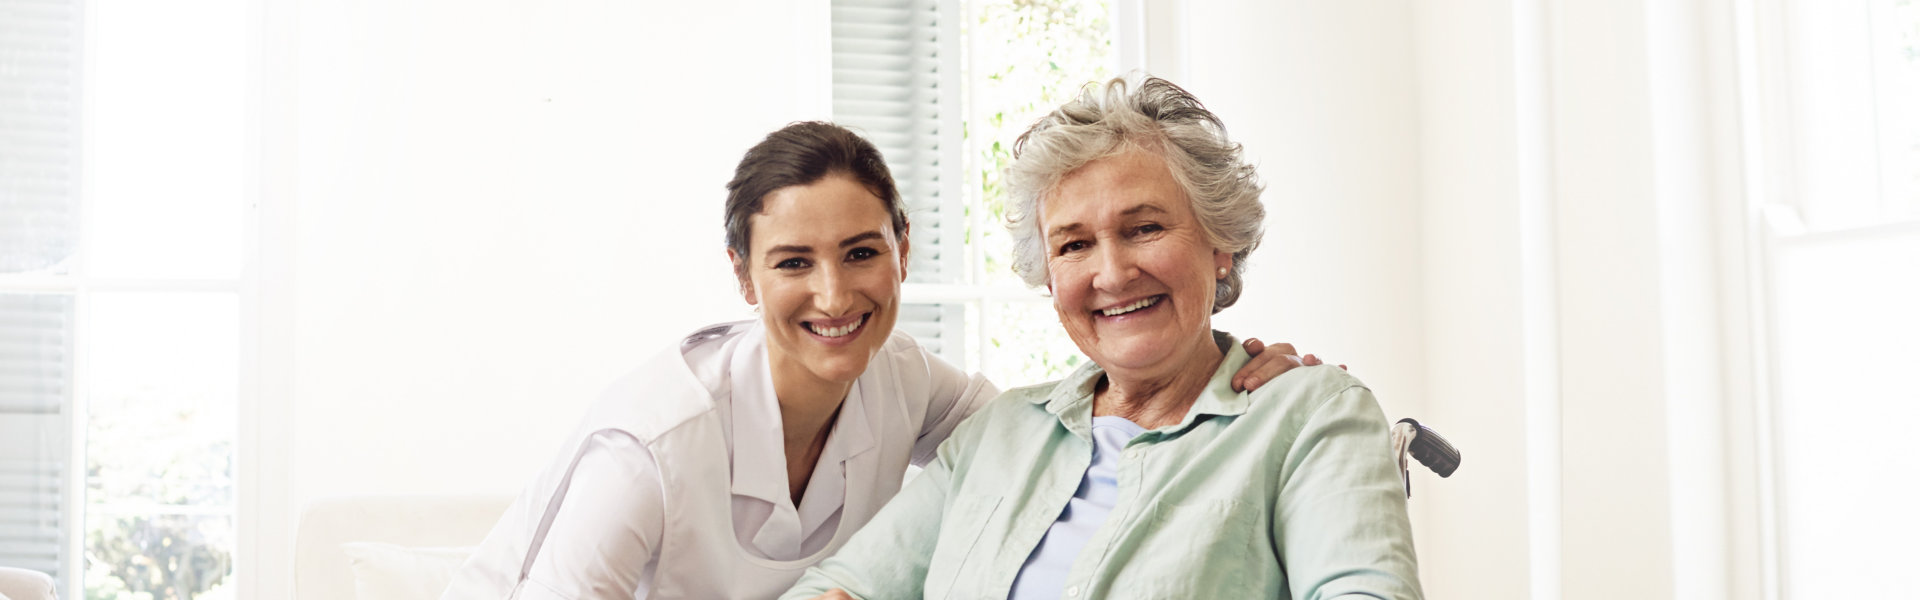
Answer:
(1290, 491)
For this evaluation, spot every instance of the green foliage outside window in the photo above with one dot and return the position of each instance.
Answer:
(159, 492)
(1026, 57)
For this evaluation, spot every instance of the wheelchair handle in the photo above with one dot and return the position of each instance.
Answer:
(1432, 450)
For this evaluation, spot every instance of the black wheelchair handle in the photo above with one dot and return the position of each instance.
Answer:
(1432, 450)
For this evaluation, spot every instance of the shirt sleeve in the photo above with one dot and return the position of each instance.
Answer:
(953, 395)
(1341, 516)
(606, 528)
(888, 558)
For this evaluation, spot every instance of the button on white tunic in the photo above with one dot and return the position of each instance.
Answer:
(675, 484)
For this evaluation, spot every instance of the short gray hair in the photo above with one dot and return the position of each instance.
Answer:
(1155, 116)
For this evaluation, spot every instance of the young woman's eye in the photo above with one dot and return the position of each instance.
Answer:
(791, 263)
(860, 254)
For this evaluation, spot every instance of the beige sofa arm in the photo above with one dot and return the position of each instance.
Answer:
(21, 584)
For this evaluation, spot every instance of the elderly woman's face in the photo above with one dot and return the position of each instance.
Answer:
(1130, 268)
(825, 270)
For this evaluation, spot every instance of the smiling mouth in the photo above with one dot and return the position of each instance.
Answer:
(1140, 304)
(837, 332)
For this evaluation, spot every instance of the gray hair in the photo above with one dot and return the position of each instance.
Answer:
(1155, 116)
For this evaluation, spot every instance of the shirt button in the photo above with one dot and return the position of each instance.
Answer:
(1133, 454)
(1073, 591)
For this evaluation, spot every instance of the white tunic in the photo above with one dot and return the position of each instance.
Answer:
(675, 486)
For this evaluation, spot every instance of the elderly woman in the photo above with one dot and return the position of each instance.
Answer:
(1143, 474)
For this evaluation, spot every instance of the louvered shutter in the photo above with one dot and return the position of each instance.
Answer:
(39, 133)
(36, 357)
(889, 85)
(39, 170)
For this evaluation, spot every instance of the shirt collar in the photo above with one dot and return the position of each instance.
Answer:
(759, 470)
(759, 467)
(1072, 399)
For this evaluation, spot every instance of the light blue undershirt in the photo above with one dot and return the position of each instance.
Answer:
(1045, 573)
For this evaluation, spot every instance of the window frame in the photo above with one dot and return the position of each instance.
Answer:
(247, 287)
(1768, 216)
(965, 287)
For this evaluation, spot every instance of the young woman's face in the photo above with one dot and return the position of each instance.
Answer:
(1130, 268)
(825, 270)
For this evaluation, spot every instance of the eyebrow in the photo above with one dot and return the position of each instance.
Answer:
(1136, 210)
(856, 239)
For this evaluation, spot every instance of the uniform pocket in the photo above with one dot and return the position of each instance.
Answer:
(960, 530)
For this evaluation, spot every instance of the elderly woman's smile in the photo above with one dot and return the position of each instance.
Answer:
(1130, 267)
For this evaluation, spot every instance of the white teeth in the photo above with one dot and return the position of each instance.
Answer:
(1130, 307)
(834, 332)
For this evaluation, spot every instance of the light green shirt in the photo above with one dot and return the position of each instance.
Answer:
(1288, 491)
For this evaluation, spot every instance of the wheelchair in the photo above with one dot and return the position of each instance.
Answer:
(1425, 445)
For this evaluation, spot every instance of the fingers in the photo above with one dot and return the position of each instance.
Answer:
(1314, 361)
(1267, 362)
(1264, 368)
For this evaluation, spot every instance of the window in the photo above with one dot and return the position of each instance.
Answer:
(122, 225)
(944, 88)
(1840, 207)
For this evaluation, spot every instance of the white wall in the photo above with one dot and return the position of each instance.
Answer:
(1322, 94)
(499, 207)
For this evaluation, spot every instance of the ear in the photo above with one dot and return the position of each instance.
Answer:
(906, 243)
(1222, 260)
(740, 273)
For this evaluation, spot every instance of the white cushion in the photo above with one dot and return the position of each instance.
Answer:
(391, 572)
(22, 584)
(321, 571)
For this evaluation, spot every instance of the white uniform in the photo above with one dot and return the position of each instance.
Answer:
(675, 486)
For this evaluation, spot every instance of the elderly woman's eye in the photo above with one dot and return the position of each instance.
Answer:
(1149, 228)
(1073, 246)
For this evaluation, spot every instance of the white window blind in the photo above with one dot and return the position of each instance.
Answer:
(39, 132)
(39, 157)
(889, 84)
(36, 353)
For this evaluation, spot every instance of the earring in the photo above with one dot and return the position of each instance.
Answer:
(1223, 272)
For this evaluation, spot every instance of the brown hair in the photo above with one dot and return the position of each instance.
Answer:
(801, 154)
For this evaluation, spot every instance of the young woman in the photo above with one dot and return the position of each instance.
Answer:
(726, 466)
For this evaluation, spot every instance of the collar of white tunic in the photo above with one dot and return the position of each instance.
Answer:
(765, 519)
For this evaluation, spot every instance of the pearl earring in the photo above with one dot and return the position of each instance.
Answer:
(1223, 272)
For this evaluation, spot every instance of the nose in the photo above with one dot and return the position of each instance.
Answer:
(1117, 268)
(832, 290)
